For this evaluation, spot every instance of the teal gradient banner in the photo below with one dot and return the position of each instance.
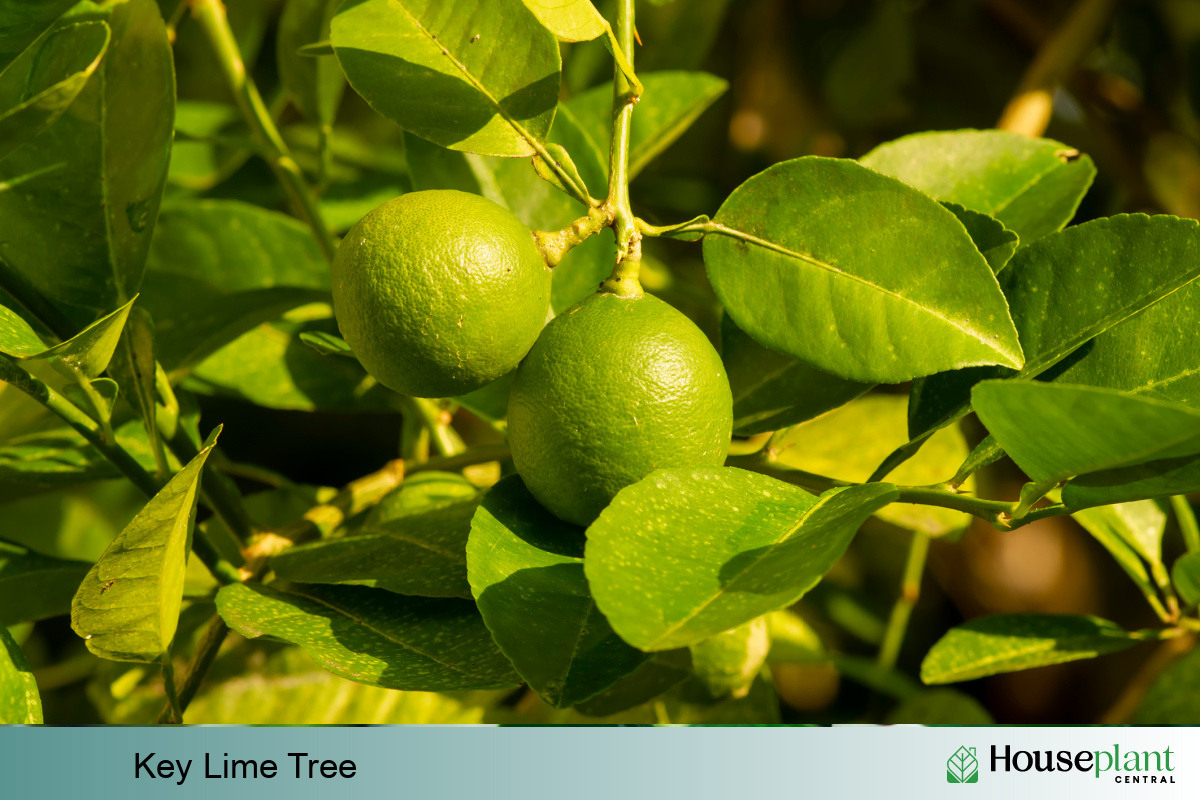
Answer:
(440, 763)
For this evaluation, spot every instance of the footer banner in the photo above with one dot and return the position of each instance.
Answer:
(602, 762)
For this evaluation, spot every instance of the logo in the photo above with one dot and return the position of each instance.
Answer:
(963, 767)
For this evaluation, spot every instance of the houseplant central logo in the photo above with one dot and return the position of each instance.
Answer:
(963, 766)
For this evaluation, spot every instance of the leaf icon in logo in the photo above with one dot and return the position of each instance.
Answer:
(962, 767)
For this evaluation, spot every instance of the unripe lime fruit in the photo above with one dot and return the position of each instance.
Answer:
(615, 388)
(439, 293)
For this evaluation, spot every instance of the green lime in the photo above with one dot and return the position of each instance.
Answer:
(439, 293)
(615, 388)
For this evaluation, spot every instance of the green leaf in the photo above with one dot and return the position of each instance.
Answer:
(289, 689)
(1055, 431)
(663, 672)
(60, 456)
(20, 703)
(792, 639)
(527, 575)
(34, 586)
(17, 338)
(314, 83)
(562, 159)
(1140, 525)
(1173, 699)
(134, 369)
(867, 256)
(1161, 477)
(99, 405)
(80, 234)
(730, 661)
(491, 402)
(771, 390)
(688, 553)
(88, 352)
(1075, 285)
(569, 20)
(420, 494)
(1033, 186)
(218, 269)
(996, 242)
(940, 707)
(1109, 527)
(375, 637)
(863, 83)
(326, 343)
(24, 21)
(474, 75)
(127, 607)
(1186, 577)
(1011, 642)
(417, 553)
(271, 367)
(43, 82)
(671, 102)
(848, 442)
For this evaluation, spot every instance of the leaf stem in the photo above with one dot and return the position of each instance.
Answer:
(468, 458)
(202, 659)
(1185, 517)
(211, 16)
(174, 712)
(910, 592)
(624, 279)
(437, 421)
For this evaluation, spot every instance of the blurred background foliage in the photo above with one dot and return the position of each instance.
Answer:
(824, 77)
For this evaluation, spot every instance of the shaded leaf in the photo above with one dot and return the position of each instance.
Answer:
(89, 351)
(1173, 699)
(1033, 186)
(1139, 524)
(863, 83)
(134, 369)
(1161, 477)
(80, 234)
(660, 674)
(25, 21)
(1186, 577)
(940, 707)
(671, 102)
(1011, 642)
(20, 703)
(1055, 431)
(34, 586)
(1109, 527)
(867, 256)
(44, 80)
(315, 82)
(771, 390)
(326, 343)
(688, 553)
(420, 553)
(375, 637)
(474, 75)
(127, 608)
(849, 441)
(996, 242)
(527, 575)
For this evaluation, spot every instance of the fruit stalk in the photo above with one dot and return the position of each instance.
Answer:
(212, 18)
(910, 592)
(624, 279)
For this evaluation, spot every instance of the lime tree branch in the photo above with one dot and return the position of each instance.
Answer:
(212, 18)
(624, 278)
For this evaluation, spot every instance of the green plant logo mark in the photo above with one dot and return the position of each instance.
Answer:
(962, 767)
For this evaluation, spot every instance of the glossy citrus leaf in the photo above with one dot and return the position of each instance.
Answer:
(663, 672)
(1159, 477)
(1139, 524)
(996, 242)
(730, 661)
(314, 83)
(43, 82)
(24, 21)
(526, 572)
(1186, 577)
(671, 102)
(688, 553)
(474, 75)
(89, 351)
(127, 607)
(17, 338)
(20, 703)
(375, 637)
(1108, 526)
(418, 553)
(1011, 642)
(35, 586)
(864, 260)
(569, 20)
(80, 234)
(771, 390)
(1055, 431)
(1033, 186)
(135, 370)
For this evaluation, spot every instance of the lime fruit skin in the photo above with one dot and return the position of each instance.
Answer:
(615, 388)
(439, 293)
